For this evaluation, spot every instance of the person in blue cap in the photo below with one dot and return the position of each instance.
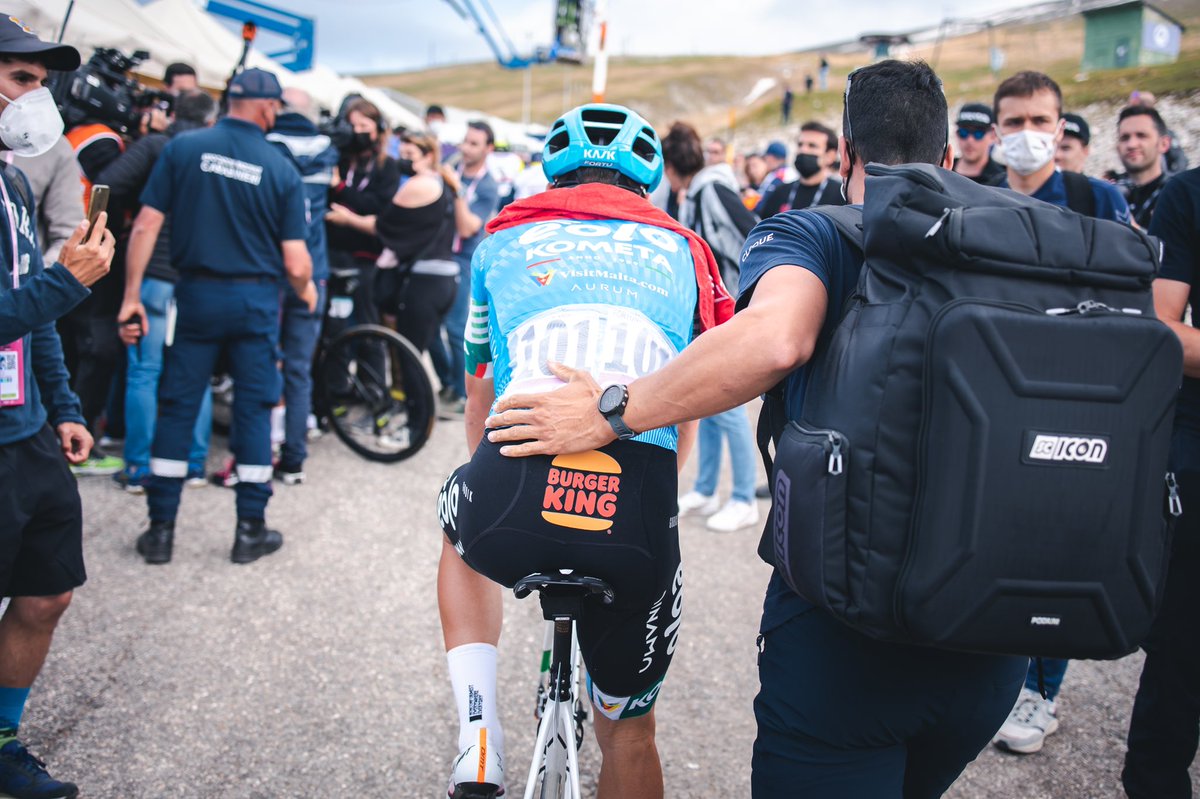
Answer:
(238, 229)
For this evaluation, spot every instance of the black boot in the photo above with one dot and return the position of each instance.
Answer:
(253, 540)
(155, 544)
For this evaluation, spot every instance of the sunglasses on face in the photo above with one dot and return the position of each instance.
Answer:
(972, 133)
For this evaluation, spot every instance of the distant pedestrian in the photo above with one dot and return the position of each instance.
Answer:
(808, 83)
(786, 105)
(823, 73)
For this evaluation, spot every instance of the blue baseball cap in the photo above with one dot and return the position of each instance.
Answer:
(255, 84)
(777, 149)
(18, 39)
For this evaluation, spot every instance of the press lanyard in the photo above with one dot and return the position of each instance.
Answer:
(469, 195)
(816, 196)
(9, 211)
(362, 184)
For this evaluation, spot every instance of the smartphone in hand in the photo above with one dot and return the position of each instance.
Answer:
(97, 204)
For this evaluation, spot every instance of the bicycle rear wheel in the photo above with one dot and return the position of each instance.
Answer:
(376, 393)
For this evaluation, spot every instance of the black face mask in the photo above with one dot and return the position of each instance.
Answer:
(406, 167)
(807, 164)
(361, 142)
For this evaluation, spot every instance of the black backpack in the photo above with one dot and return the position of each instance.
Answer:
(982, 459)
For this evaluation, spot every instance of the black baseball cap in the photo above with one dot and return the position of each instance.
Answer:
(255, 84)
(975, 115)
(1077, 126)
(18, 39)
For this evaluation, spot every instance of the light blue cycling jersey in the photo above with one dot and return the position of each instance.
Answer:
(614, 298)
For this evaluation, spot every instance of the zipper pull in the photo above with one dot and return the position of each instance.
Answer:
(1174, 504)
(938, 224)
(835, 455)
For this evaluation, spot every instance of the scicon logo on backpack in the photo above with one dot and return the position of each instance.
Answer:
(1075, 449)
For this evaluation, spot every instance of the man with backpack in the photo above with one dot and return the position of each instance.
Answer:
(1030, 126)
(839, 713)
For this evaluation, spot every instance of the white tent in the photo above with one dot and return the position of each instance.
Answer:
(103, 23)
(215, 49)
(178, 30)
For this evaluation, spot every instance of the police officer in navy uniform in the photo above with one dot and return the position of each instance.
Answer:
(238, 228)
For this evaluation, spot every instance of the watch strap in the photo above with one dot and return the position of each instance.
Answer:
(624, 432)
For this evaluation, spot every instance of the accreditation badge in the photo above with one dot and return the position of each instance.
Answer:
(12, 374)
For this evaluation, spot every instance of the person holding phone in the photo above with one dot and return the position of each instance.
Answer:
(41, 520)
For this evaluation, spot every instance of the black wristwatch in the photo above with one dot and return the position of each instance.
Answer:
(612, 405)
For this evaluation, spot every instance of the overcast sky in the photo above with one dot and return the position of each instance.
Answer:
(394, 35)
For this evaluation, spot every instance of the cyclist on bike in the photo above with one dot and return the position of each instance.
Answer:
(587, 273)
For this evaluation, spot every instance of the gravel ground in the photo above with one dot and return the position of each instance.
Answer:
(319, 671)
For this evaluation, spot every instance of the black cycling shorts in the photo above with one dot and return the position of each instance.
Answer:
(41, 519)
(608, 513)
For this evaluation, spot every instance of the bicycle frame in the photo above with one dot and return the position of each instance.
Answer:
(557, 700)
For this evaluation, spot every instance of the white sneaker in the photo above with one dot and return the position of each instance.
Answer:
(1027, 726)
(734, 516)
(478, 772)
(699, 504)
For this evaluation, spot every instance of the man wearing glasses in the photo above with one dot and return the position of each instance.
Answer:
(974, 140)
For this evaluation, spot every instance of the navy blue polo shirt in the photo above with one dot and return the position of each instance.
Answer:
(232, 199)
(809, 241)
(1109, 202)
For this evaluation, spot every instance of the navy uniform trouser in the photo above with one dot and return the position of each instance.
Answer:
(844, 716)
(240, 318)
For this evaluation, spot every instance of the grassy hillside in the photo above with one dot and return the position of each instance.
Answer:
(709, 91)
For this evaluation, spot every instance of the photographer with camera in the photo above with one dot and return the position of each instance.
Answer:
(126, 177)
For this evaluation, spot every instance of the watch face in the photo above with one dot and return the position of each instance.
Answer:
(610, 400)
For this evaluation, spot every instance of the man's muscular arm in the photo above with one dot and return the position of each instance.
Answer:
(722, 369)
(1170, 300)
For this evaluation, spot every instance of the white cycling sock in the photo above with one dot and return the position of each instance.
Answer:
(473, 679)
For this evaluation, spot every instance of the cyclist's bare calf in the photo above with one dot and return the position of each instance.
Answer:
(469, 603)
(631, 768)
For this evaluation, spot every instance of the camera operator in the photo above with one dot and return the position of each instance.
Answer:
(126, 178)
(104, 108)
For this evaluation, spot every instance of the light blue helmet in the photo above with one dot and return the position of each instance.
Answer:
(607, 136)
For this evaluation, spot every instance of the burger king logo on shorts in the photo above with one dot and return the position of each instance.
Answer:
(581, 491)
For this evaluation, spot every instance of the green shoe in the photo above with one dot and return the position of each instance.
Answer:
(101, 465)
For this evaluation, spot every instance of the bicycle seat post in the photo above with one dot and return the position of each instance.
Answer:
(562, 598)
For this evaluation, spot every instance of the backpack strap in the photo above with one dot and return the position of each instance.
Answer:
(17, 179)
(847, 219)
(1080, 197)
(773, 417)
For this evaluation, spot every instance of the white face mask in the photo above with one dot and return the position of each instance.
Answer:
(1027, 151)
(30, 125)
